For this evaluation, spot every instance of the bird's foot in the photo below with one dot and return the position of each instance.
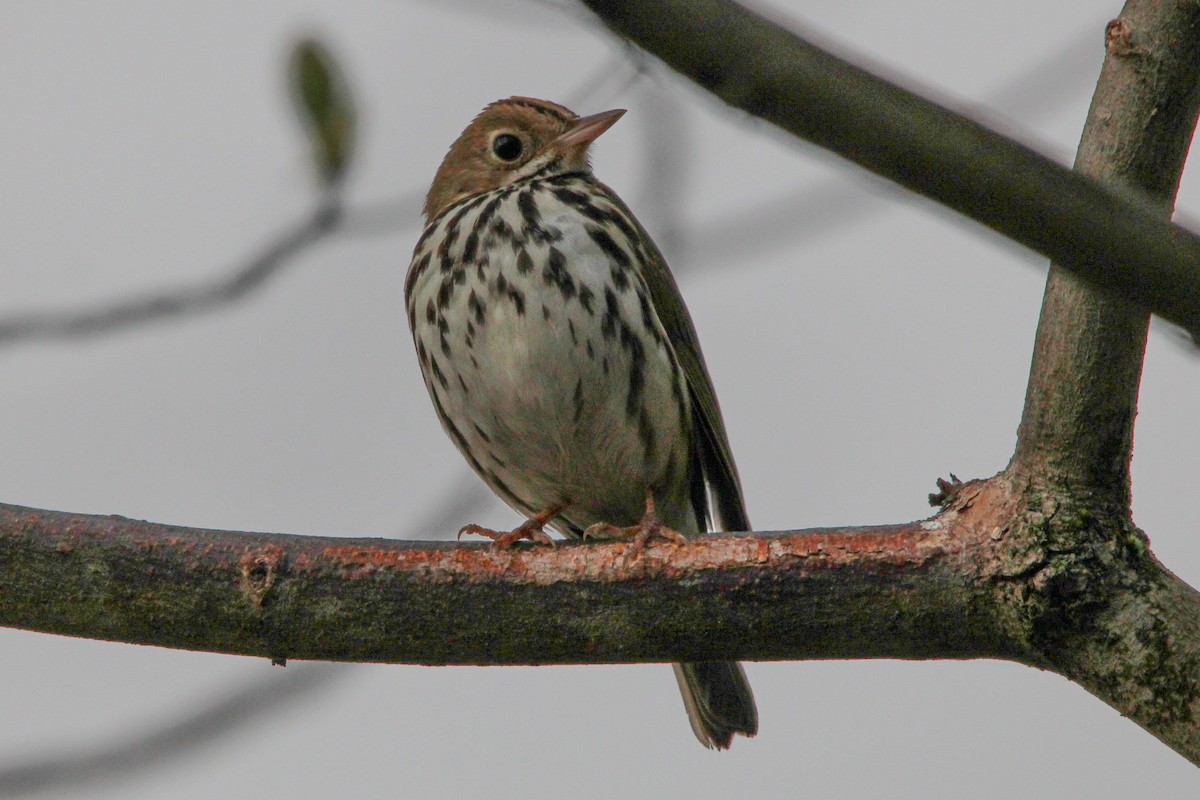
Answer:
(650, 527)
(532, 530)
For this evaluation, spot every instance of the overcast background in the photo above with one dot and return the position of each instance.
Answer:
(862, 342)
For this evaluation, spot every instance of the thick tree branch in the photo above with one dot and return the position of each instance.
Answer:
(804, 594)
(989, 577)
(1077, 426)
(1113, 239)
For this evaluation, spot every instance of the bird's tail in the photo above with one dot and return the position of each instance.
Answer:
(718, 700)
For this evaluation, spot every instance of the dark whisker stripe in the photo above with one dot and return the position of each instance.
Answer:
(612, 215)
(619, 219)
(570, 177)
(584, 202)
(547, 169)
(569, 196)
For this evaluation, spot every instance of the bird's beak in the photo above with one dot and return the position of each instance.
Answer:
(584, 130)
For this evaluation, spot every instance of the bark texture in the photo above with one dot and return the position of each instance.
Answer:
(802, 594)
(1087, 364)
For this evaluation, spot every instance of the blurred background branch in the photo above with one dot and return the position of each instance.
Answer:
(255, 702)
(774, 74)
(324, 105)
(175, 304)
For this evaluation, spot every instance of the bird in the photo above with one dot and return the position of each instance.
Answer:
(562, 361)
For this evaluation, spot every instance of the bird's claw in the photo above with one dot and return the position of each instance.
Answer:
(650, 527)
(531, 530)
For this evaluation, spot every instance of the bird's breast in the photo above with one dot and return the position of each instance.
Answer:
(542, 351)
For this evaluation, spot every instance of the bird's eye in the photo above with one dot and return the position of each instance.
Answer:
(507, 147)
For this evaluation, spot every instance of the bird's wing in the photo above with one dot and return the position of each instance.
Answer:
(720, 471)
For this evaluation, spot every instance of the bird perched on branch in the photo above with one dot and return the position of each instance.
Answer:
(562, 361)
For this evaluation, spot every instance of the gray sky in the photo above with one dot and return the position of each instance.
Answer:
(863, 345)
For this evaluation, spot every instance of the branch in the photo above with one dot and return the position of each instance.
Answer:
(829, 205)
(1077, 425)
(802, 594)
(328, 118)
(1076, 436)
(252, 703)
(178, 303)
(246, 704)
(1113, 239)
(983, 579)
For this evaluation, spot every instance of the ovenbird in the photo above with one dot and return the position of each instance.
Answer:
(561, 359)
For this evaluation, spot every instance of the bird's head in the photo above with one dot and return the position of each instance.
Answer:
(511, 140)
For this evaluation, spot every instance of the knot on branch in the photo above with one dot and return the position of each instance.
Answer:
(260, 570)
(1119, 39)
(1062, 566)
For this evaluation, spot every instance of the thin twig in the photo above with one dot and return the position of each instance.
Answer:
(179, 303)
(253, 702)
